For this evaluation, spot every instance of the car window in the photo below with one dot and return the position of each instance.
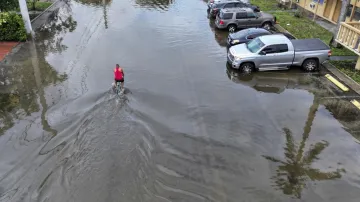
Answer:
(226, 16)
(270, 49)
(282, 48)
(217, 5)
(241, 5)
(251, 15)
(241, 15)
(251, 36)
(254, 45)
(229, 5)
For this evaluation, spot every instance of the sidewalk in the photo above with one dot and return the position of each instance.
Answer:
(326, 24)
(37, 22)
(5, 48)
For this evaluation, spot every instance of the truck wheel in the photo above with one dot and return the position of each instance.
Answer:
(232, 28)
(310, 65)
(247, 68)
(267, 25)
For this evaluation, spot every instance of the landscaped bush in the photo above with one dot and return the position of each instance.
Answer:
(8, 5)
(12, 27)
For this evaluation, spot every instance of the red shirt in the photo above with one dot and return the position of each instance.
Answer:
(118, 74)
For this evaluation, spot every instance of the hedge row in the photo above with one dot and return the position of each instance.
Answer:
(12, 27)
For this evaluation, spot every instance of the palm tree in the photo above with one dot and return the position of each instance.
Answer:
(293, 172)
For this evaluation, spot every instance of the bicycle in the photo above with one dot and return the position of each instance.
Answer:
(118, 88)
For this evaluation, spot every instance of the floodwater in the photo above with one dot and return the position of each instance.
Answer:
(188, 128)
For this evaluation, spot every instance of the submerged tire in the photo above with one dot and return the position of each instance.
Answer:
(247, 68)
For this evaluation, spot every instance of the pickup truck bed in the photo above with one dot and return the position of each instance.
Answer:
(309, 45)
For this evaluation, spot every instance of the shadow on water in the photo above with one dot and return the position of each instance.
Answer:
(27, 73)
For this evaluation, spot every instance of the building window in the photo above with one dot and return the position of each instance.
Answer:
(356, 14)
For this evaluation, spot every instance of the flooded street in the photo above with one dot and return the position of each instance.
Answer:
(188, 128)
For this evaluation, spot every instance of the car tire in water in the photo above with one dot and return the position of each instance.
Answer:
(266, 25)
(232, 28)
(247, 68)
(310, 65)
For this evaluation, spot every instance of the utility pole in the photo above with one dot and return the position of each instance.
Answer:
(25, 16)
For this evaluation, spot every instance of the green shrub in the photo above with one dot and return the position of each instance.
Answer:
(12, 27)
(298, 14)
(8, 5)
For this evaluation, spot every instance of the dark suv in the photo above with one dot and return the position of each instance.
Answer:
(216, 7)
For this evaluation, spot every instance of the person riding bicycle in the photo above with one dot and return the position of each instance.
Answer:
(119, 76)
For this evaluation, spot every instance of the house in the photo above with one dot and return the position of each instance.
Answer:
(330, 9)
(349, 32)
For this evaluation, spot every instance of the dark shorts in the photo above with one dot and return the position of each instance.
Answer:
(122, 80)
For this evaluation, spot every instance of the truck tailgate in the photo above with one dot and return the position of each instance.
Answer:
(309, 45)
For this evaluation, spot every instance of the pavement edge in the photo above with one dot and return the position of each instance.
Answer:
(48, 8)
(343, 77)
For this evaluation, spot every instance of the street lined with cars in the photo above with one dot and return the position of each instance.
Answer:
(256, 47)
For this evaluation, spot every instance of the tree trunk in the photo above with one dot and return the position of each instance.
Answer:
(34, 5)
(344, 6)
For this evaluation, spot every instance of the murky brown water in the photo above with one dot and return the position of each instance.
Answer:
(188, 128)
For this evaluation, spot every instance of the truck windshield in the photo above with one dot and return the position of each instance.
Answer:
(254, 45)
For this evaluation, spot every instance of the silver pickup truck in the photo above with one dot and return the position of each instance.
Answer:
(275, 52)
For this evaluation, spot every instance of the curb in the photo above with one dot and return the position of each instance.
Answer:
(343, 77)
(44, 11)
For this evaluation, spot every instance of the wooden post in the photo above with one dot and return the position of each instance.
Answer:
(317, 5)
(357, 66)
(352, 12)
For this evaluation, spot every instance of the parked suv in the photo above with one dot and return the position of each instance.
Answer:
(235, 18)
(226, 4)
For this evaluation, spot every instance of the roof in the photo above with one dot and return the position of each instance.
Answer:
(231, 10)
(274, 39)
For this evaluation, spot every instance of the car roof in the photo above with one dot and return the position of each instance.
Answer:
(226, 1)
(274, 39)
(257, 30)
(231, 10)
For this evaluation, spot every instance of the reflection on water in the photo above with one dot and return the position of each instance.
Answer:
(278, 82)
(155, 4)
(95, 2)
(220, 35)
(293, 173)
(30, 73)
